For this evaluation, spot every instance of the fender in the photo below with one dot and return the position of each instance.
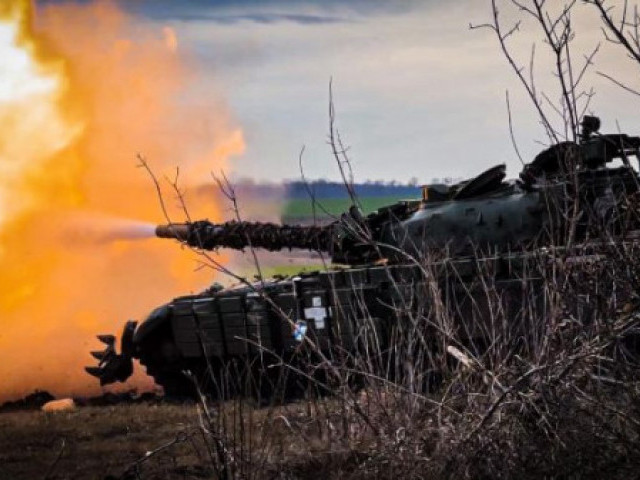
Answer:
(156, 319)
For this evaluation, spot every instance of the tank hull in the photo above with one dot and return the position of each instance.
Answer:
(238, 340)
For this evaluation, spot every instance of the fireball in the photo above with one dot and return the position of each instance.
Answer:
(83, 90)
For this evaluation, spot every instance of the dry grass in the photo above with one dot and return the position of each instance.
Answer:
(99, 442)
(104, 442)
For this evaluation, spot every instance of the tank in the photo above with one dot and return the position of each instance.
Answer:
(566, 197)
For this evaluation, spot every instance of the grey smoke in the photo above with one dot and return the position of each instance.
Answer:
(92, 229)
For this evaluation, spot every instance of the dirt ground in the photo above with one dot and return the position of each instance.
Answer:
(99, 443)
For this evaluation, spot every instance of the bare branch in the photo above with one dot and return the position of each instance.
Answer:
(513, 138)
(618, 83)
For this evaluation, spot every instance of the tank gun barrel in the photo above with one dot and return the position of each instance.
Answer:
(239, 235)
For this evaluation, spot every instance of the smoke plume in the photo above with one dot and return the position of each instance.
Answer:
(91, 87)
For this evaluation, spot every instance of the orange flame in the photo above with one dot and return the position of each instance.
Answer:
(86, 89)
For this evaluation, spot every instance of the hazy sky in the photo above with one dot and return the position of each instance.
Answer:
(417, 92)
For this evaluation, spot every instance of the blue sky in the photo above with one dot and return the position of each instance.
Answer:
(417, 93)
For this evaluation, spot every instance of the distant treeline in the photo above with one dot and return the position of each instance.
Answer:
(325, 189)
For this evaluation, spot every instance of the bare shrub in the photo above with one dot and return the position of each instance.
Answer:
(488, 365)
